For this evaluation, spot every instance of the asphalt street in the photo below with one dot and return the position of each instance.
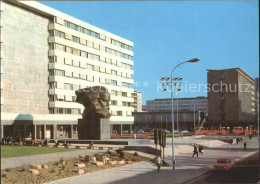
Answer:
(246, 170)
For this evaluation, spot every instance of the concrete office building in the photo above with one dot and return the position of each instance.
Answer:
(45, 56)
(183, 104)
(137, 101)
(191, 112)
(231, 98)
(257, 91)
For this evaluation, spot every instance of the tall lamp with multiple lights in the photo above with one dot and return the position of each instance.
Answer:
(172, 83)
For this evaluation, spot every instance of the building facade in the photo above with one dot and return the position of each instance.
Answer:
(231, 98)
(183, 104)
(137, 101)
(257, 92)
(46, 56)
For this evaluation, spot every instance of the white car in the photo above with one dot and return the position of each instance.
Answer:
(185, 131)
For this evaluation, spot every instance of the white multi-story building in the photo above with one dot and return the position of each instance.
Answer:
(183, 104)
(137, 101)
(46, 56)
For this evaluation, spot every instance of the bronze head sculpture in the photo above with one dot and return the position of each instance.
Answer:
(95, 100)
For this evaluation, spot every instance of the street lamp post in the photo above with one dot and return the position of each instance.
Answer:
(171, 83)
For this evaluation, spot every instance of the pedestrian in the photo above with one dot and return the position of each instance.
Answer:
(158, 162)
(195, 151)
(244, 145)
(201, 150)
(250, 136)
(181, 134)
(237, 140)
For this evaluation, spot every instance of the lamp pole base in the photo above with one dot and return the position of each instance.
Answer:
(173, 164)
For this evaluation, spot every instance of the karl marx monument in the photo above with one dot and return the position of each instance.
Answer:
(95, 123)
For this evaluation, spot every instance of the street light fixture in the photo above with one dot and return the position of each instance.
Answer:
(172, 83)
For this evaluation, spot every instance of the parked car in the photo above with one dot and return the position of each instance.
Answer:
(176, 132)
(223, 164)
(139, 131)
(127, 132)
(185, 131)
(167, 131)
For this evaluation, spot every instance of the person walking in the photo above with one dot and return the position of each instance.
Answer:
(158, 162)
(201, 150)
(195, 151)
(244, 145)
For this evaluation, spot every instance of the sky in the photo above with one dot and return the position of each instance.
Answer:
(223, 34)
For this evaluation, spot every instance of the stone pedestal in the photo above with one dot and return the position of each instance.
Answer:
(93, 129)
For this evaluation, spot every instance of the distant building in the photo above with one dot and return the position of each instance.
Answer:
(183, 104)
(231, 98)
(163, 120)
(257, 95)
(157, 113)
(137, 104)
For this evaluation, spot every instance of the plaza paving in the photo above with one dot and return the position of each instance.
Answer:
(187, 167)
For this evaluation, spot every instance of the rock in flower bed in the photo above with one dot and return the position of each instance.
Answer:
(63, 169)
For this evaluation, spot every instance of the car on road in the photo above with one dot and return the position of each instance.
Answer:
(139, 131)
(223, 164)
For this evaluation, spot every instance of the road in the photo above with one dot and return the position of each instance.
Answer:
(187, 168)
(246, 170)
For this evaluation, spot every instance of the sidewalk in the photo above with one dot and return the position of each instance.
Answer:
(187, 167)
(140, 173)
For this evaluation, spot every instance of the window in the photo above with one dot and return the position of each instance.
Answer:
(126, 66)
(84, 54)
(124, 94)
(53, 59)
(113, 102)
(90, 44)
(59, 72)
(113, 72)
(114, 82)
(68, 86)
(52, 98)
(117, 53)
(69, 50)
(75, 39)
(89, 67)
(53, 85)
(119, 113)
(127, 85)
(93, 57)
(122, 45)
(59, 34)
(76, 52)
(81, 29)
(59, 47)
(96, 46)
(113, 92)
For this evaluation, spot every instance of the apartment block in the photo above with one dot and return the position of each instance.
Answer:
(47, 55)
(231, 98)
